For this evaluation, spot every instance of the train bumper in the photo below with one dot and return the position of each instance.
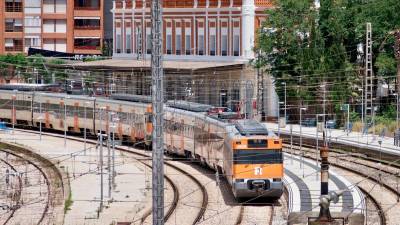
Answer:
(248, 188)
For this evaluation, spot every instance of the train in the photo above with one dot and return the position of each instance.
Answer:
(247, 154)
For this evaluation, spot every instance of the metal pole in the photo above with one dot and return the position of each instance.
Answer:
(285, 104)
(113, 155)
(397, 112)
(291, 143)
(109, 155)
(40, 120)
(317, 143)
(84, 133)
(13, 112)
(101, 160)
(279, 127)
(65, 123)
(348, 119)
(158, 111)
(362, 110)
(301, 140)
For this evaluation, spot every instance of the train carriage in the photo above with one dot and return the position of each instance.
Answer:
(245, 153)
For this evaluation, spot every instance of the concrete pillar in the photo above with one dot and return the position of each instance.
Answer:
(248, 15)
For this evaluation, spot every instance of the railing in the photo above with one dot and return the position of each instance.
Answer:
(15, 48)
(13, 7)
(87, 27)
(87, 7)
(265, 3)
(87, 47)
(12, 28)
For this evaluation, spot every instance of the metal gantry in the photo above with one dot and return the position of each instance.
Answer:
(158, 111)
(369, 76)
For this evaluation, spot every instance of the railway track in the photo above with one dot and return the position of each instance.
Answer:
(22, 206)
(172, 207)
(368, 176)
(17, 194)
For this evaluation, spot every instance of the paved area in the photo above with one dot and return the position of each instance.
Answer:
(302, 178)
(355, 139)
(128, 195)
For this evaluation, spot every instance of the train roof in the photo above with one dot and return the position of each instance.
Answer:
(250, 127)
(26, 87)
(132, 98)
(189, 106)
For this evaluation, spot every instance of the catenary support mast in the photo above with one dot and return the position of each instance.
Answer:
(158, 111)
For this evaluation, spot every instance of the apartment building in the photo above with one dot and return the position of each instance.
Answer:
(73, 26)
(203, 30)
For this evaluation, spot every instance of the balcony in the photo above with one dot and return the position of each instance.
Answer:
(14, 45)
(87, 44)
(13, 25)
(87, 5)
(13, 6)
(87, 24)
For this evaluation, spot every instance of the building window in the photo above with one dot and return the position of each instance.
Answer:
(178, 44)
(87, 43)
(87, 4)
(224, 45)
(236, 45)
(13, 5)
(169, 44)
(148, 43)
(138, 40)
(188, 45)
(200, 47)
(128, 41)
(32, 42)
(14, 45)
(118, 43)
(13, 25)
(213, 43)
(87, 24)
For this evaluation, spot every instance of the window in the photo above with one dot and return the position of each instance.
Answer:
(32, 42)
(188, 44)
(236, 45)
(32, 21)
(33, 3)
(118, 43)
(87, 24)
(87, 43)
(13, 5)
(138, 39)
(128, 41)
(148, 43)
(178, 44)
(200, 48)
(169, 44)
(224, 45)
(213, 46)
(250, 156)
(13, 25)
(14, 45)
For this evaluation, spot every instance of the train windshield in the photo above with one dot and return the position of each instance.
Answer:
(257, 157)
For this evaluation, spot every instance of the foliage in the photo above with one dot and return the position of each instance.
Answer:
(306, 46)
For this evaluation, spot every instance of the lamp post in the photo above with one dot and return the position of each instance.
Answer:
(301, 139)
(348, 119)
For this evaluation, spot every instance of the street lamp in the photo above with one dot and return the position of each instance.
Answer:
(301, 139)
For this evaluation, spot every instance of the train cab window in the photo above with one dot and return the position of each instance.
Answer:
(257, 143)
(257, 157)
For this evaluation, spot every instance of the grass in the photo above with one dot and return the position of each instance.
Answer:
(388, 126)
(68, 203)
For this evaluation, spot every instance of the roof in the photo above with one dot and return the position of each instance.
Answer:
(250, 127)
(129, 64)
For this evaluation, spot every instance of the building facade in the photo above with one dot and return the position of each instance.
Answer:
(202, 30)
(73, 26)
